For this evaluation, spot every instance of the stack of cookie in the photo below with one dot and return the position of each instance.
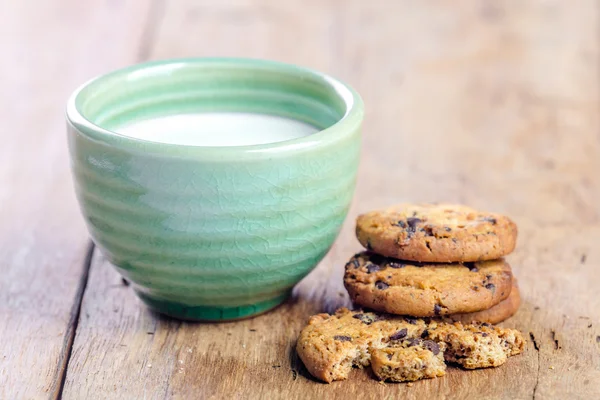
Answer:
(435, 260)
(439, 260)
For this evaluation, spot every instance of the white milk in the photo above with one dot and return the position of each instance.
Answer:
(217, 129)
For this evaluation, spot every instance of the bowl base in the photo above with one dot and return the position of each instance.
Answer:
(210, 314)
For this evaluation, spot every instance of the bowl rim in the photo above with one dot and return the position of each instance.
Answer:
(345, 126)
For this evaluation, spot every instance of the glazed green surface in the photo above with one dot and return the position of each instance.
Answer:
(214, 232)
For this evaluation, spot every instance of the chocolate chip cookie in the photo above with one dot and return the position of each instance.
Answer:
(426, 290)
(412, 360)
(496, 314)
(436, 233)
(330, 345)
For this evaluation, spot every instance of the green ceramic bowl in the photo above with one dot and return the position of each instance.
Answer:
(214, 233)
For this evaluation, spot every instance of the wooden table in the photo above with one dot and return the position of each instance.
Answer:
(491, 103)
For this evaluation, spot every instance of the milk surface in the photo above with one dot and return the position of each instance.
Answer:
(217, 129)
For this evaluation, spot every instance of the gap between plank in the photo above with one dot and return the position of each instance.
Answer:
(153, 21)
(65, 353)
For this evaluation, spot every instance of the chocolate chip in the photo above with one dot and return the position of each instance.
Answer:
(396, 265)
(490, 220)
(454, 240)
(413, 342)
(381, 285)
(488, 277)
(447, 229)
(484, 334)
(471, 266)
(432, 346)
(412, 226)
(401, 334)
(389, 356)
(487, 325)
(343, 338)
(352, 276)
(425, 334)
(437, 309)
(401, 224)
(597, 339)
(363, 318)
(373, 268)
(354, 263)
(410, 320)
(490, 286)
(369, 247)
(412, 223)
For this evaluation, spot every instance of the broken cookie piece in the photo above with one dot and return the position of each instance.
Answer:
(330, 345)
(412, 360)
(476, 345)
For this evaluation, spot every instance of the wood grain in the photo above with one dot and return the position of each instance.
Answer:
(48, 49)
(494, 104)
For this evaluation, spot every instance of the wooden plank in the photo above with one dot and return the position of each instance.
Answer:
(490, 103)
(48, 48)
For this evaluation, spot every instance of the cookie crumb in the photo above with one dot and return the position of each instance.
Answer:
(409, 384)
